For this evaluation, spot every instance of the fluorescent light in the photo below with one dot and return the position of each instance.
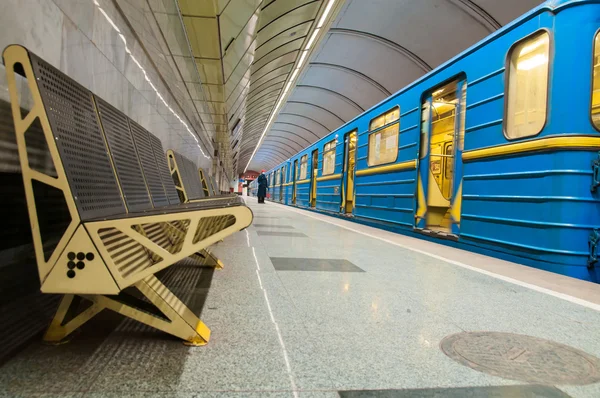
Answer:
(158, 94)
(325, 13)
(312, 38)
(294, 74)
(302, 58)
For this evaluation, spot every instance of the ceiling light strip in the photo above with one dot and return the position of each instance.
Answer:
(294, 75)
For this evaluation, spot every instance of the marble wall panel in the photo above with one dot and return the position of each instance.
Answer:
(91, 41)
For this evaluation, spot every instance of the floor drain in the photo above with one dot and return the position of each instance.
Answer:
(525, 358)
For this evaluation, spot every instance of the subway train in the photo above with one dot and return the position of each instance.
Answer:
(496, 151)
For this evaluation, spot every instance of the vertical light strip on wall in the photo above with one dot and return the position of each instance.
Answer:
(128, 51)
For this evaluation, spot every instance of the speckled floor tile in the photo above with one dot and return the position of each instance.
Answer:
(307, 334)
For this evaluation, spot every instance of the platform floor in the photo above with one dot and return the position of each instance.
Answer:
(312, 306)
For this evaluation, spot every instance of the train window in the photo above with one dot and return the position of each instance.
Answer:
(278, 177)
(383, 140)
(527, 90)
(596, 84)
(303, 167)
(329, 158)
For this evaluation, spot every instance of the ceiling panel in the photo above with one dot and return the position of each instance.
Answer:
(379, 60)
(335, 102)
(235, 58)
(203, 35)
(320, 114)
(234, 20)
(361, 91)
(298, 32)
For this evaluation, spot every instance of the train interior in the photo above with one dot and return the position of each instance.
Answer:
(596, 84)
(440, 115)
(295, 178)
(349, 167)
(313, 178)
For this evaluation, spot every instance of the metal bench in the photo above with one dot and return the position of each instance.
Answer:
(125, 222)
(215, 186)
(125, 137)
(204, 181)
(191, 183)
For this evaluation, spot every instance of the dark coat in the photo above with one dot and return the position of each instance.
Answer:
(263, 184)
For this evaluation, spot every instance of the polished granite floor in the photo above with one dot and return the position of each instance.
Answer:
(306, 308)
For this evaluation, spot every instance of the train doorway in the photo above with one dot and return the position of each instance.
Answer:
(349, 168)
(440, 168)
(313, 178)
(295, 171)
(281, 184)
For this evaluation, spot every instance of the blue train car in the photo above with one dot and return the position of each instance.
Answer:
(328, 177)
(276, 184)
(270, 184)
(253, 188)
(304, 182)
(495, 151)
(287, 184)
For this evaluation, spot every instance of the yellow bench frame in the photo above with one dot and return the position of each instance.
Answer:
(114, 253)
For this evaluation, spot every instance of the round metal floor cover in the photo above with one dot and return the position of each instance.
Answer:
(525, 358)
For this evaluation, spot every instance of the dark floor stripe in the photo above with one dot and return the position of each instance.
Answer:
(285, 234)
(313, 264)
(272, 226)
(526, 391)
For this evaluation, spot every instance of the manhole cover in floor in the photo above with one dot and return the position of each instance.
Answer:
(519, 357)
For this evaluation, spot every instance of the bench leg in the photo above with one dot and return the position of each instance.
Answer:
(208, 259)
(173, 317)
(66, 321)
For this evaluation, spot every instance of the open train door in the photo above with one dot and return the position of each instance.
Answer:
(281, 183)
(295, 174)
(439, 183)
(313, 178)
(347, 205)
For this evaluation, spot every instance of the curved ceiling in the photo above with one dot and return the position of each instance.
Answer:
(372, 49)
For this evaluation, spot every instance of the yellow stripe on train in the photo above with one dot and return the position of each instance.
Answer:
(544, 144)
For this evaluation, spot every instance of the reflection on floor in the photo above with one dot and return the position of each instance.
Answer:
(328, 311)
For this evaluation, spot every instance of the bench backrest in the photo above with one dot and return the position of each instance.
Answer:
(194, 187)
(98, 145)
(78, 136)
(138, 159)
(186, 176)
(216, 189)
(143, 146)
(122, 150)
(204, 181)
(163, 169)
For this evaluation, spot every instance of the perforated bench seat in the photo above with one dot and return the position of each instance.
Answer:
(126, 221)
(174, 209)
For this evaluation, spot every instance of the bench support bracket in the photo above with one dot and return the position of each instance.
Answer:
(208, 259)
(172, 316)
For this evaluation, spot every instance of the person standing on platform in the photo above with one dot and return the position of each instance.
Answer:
(263, 185)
